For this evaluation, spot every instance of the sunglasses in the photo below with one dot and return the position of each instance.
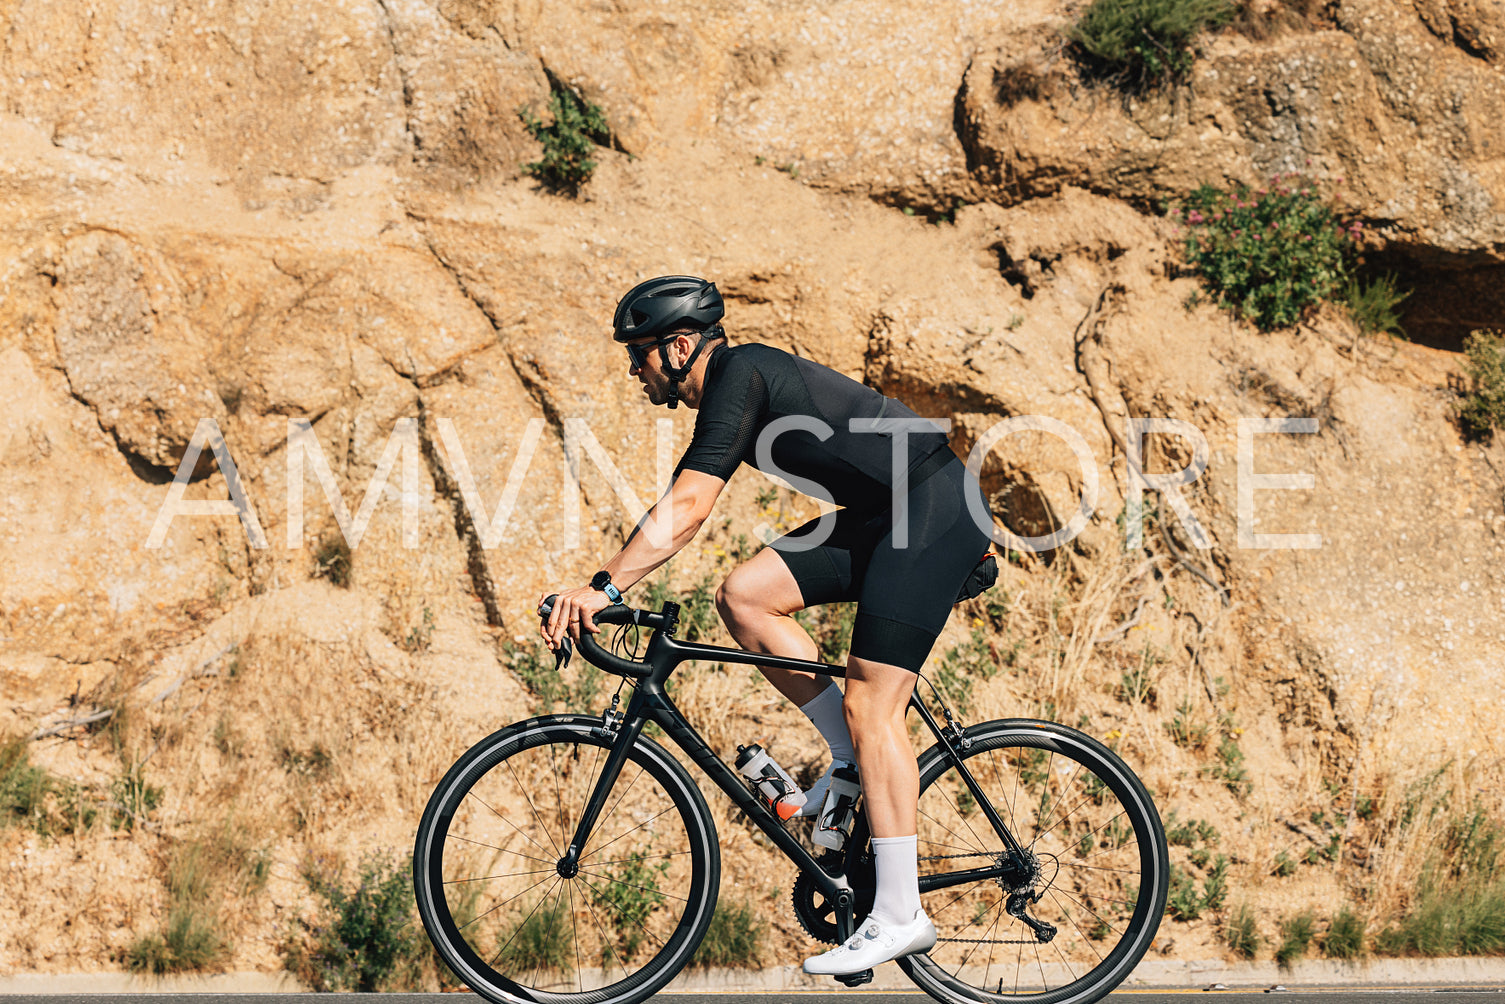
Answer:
(639, 353)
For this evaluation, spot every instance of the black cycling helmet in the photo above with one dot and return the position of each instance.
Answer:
(666, 304)
(661, 307)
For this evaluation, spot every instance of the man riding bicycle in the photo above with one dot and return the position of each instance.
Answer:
(901, 546)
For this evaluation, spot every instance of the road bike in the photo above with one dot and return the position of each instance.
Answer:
(571, 859)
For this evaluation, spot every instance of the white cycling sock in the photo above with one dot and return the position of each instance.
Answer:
(898, 897)
(824, 712)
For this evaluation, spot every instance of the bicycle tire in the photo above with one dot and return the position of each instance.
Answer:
(498, 911)
(1100, 853)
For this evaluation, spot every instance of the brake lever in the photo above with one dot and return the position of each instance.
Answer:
(566, 647)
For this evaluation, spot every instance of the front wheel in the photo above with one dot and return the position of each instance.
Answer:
(516, 926)
(1068, 924)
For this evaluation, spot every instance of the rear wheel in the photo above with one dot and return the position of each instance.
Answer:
(513, 924)
(1072, 923)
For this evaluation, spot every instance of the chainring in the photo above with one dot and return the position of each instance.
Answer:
(817, 915)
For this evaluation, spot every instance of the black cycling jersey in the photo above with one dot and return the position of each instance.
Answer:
(904, 582)
(749, 387)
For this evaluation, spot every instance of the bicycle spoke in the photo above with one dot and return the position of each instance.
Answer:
(492, 878)
(518, 930)
(503, 850)
(575, 927)
(509, 899)
(535, 843)
(523, 789)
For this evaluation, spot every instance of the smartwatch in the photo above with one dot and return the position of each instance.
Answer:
(602, 581)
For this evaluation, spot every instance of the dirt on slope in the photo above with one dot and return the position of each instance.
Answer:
(264, 214)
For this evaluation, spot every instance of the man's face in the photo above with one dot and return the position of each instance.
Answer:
(651, 373)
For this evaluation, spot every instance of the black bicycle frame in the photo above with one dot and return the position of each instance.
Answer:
(650, 703)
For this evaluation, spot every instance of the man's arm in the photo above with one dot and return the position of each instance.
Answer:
(671, 524)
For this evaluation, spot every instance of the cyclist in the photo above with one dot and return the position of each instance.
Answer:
(902, 545)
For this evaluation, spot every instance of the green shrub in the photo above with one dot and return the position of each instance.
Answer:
(37, 798)
(1483, 407)
(134, 798)
(1215, 886)
(368, 940)
(734, 939)
(1345, 936)
(1372, 305)
(541, 940)
(1241, 932)
(1184, 902)
(1268, 254)
(961, 667)
(1140, 43)
(568, 141)
(190, 941)
(534, 666)
(23, 787)
(1295, 936)
(1449, 918)
(1185, 731)
(628, 895)
(332, 560)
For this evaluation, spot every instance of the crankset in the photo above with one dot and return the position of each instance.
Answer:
(817, 915)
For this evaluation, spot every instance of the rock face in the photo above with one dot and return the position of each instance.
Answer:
(272, 218)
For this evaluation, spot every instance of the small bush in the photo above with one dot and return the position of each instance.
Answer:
(962, 666)
(1215, 886)
(1141, 43)
(35, 797)
(134, 797)
(368, 940)
(734, 939)
(628, 895)
(1269, 254)
(1482, 409)
(332, 560)
(23, 787)
(1184, 901)
(189, 942)
(1229, 767)
(1345, 936)
(534, 666)
(1185, 731)
(541, 940)
(1450, 918)
(1372, 305)
(1241, 932)
(568, 141)
(1295, 936)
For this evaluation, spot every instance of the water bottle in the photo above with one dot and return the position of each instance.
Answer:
(839, 809)
(772, 781)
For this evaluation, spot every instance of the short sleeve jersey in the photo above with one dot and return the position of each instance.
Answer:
(750, 388)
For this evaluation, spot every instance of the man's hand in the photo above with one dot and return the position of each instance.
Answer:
(573, 608)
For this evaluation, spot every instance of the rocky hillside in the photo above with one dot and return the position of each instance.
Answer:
(272, 215)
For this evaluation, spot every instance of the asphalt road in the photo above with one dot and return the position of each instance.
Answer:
(1343, 995)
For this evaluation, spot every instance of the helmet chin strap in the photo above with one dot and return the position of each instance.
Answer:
(678, 375)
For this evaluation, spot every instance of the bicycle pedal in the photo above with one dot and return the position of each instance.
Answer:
(856, 979)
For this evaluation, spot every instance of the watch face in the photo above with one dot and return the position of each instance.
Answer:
(600, 580)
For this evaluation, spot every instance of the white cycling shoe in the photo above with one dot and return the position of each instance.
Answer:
(816, 796)
(873, 944)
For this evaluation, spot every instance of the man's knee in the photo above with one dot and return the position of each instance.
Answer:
(735, 598)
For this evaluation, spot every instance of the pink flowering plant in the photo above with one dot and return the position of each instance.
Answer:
(1268, 254)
